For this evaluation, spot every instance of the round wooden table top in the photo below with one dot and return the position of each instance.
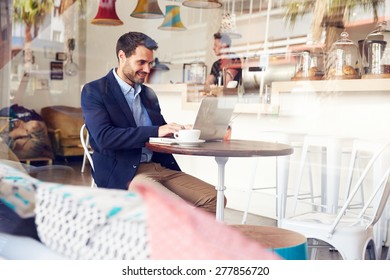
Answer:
(231, 148)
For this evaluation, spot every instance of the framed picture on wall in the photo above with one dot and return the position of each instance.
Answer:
(56, 70)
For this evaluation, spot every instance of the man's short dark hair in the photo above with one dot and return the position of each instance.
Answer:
(224, 38)
(130, 41)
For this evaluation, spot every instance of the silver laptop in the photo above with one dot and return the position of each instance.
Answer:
(213, 117)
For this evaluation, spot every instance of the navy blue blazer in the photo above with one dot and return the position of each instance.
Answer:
(114, 136)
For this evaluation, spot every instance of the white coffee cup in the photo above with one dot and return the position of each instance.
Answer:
(187, 135)
(232, 84)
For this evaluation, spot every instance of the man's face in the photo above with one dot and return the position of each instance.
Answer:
(136, 67)
(218, 47)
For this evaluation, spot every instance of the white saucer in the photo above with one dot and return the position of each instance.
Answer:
(190, 144)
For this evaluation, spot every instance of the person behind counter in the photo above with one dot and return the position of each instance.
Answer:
(121, 113)
(228, 67)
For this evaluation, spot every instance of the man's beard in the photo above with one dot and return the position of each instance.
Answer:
(138, 78)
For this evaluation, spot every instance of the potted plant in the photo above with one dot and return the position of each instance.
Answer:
(329, 14)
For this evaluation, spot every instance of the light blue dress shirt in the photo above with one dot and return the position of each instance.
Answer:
(137, 108)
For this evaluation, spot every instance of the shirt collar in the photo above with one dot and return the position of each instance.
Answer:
(125, 87)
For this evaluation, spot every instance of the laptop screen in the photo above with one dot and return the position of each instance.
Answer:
(213, 117)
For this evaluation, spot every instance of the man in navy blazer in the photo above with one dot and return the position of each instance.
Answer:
(121, 114)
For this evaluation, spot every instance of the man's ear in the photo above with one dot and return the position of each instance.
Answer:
(121, 56)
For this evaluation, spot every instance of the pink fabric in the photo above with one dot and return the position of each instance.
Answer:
(179, 231)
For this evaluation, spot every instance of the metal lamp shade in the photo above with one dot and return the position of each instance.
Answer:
(147, 9)
(106, 14)
(158, 66)
(202, 4)
(172, 19)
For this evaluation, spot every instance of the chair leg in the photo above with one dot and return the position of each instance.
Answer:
(248, 200)
(93, 185)
(314, 249)
(388, 254)
(298, 183)
(83, 164)
(371, 251)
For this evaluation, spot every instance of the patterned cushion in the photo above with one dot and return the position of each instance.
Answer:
(84, 223)
(17, 190)
(75, 221)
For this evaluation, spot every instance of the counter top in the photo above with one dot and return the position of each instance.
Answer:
(191, 97)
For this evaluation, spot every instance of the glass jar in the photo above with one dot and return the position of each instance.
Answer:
(309, 63)
(198, 72)
(344, 60)
(376, 52)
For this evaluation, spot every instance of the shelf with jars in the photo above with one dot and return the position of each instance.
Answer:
(375, 51)
(344, 60)
(310, 62)
(369, 59)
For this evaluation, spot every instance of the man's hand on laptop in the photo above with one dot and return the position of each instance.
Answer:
(170, 128)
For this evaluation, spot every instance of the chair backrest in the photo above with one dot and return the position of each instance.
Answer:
(384, 196)
(84, 138)
(379, 194)
(361, 149)
(328, 148)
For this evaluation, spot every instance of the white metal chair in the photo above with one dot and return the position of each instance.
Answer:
(350, 230)
(84, 138)
(361, 152)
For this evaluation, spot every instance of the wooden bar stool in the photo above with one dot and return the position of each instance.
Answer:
(288, 244)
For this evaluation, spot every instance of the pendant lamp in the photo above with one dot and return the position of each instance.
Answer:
(106, 14)
(228, 26)
(172, 19)
(202, 4)
(147, 9)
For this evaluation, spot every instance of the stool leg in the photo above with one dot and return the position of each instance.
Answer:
(333, 159)
(282, 173)
(250, 190)
(300, 175)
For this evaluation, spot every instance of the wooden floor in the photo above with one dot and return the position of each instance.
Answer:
(69, 171)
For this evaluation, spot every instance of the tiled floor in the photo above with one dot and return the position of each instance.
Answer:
(69, 171)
